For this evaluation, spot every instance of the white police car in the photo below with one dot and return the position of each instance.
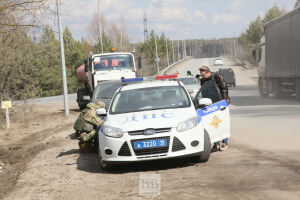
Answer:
(157, 120)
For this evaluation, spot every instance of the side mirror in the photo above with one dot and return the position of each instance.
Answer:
(204, 102)
(140, 62)
(101, 111)
(87, 98)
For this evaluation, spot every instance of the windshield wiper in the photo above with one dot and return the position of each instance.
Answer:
(105, 97)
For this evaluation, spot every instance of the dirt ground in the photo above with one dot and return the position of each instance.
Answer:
(43, 162)
(23, 141)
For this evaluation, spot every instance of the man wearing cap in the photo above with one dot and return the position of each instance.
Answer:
(87, 124)
(206, 76)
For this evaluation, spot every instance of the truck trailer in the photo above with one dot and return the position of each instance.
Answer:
(279, 57)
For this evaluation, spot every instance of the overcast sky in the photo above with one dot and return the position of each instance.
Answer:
(178, 19)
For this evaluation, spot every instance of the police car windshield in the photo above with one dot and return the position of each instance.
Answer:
(189, 81)
(149, 99)
(111, 62)
(106, 90)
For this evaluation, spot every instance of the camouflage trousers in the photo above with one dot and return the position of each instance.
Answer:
(86, 136)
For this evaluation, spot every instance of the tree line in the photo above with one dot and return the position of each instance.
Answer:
(30, 64)
(250, 38)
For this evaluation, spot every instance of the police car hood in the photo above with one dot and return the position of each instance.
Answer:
(167, 118)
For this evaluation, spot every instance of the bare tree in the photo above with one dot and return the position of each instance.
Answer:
(116, 34)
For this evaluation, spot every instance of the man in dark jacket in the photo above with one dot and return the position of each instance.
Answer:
(206, 76)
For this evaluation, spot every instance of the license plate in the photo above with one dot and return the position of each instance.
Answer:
(150, 144)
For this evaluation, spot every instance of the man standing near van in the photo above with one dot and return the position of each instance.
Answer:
(208, 75)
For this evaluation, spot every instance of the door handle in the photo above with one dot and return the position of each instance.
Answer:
(223, 108)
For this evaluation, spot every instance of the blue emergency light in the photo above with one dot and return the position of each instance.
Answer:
(126, 80)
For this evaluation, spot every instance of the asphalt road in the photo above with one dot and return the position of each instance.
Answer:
(266, 124)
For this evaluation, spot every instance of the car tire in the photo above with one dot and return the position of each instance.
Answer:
(205, 154)
(104, 166)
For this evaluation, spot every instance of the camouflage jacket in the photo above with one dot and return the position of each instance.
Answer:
(90, 116)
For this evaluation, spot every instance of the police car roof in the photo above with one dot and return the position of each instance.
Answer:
(148, 84)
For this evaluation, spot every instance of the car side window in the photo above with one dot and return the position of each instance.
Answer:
(210, 90)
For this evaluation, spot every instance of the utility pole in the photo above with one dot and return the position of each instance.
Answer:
(182, 49)
(173, 52)
(167, 51)
(100, 28)
(121, 38)
(234, 47)
(156, 54)
(191, 48)
(114, 41)
(178, 50)
(62, 55)
(145, 28)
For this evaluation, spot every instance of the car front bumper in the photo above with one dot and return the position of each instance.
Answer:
(179, 145)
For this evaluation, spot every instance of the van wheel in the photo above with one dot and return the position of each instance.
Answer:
(104, 166)
(205, 154)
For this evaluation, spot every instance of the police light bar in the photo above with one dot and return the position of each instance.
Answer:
(126, 80)
(166, 77)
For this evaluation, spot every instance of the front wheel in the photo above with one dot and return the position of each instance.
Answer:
(104, 166)
(205, 154)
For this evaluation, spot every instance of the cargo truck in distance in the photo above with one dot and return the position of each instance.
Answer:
(104, 67)
(279, 57)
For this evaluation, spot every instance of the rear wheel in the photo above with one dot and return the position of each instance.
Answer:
(80, 94)
(262, 92)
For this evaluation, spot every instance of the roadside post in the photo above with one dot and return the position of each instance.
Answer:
(6, 105)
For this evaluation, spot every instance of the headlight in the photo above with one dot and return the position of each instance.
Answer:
(186, 125)
(112, 131)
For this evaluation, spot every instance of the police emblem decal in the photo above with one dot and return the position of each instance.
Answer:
(216, 122)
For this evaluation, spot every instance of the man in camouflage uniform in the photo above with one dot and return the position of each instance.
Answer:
(87, 124)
